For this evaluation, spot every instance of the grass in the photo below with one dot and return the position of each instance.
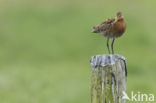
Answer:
(45, 48)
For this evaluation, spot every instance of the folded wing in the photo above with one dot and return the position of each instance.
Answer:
(104, 27)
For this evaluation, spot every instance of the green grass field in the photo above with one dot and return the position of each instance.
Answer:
(45, 47)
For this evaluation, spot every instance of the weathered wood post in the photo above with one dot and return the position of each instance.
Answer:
(108, 78)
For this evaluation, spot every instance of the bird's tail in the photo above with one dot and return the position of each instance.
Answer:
(96, 29)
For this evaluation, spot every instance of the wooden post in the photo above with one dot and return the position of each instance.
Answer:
(108, 78)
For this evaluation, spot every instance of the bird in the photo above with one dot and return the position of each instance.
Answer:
(111, 29)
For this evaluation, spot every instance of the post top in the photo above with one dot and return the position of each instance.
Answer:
(104, 60)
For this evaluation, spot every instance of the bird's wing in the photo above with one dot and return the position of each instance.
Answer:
(108, 21)
(106, 24)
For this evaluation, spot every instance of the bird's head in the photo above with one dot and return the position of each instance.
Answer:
(119, 16)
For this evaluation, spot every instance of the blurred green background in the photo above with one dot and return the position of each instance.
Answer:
(45, 47)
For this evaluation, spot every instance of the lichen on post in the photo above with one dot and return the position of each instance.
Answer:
(108, 78)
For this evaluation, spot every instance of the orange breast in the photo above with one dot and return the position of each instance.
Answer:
(119, 28)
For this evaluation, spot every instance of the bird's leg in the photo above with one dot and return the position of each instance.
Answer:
(112, 45)
(108, 45)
